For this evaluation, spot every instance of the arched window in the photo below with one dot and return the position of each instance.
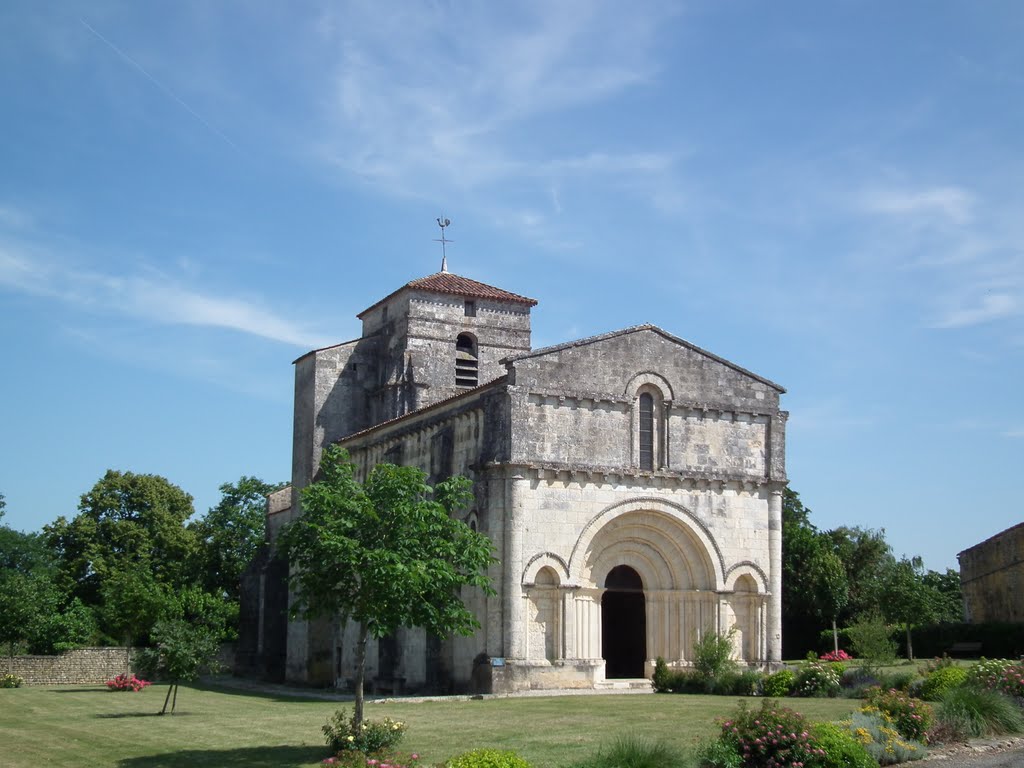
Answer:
(646, 431)
(467, 373)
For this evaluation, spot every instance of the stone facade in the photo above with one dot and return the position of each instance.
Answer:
(992, 578)
(630, 483)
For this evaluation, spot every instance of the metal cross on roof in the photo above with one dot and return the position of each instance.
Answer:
(442, 222)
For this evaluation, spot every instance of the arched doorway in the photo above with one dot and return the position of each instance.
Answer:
(623, 624)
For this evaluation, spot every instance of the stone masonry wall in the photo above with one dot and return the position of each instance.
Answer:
(83, 666)
(992, 576)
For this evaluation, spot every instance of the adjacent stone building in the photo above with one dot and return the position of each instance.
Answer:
(992, 578)
(631, 484)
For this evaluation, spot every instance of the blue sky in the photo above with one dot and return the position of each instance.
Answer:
(193, 194)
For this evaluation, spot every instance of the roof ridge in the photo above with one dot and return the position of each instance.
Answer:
(456, 285)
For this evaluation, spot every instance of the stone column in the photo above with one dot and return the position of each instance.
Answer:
(569, 624)
(515, 625)
(774, 628)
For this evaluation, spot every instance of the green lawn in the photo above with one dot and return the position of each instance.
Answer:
(89, 726)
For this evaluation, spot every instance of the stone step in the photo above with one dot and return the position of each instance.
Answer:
(639, 683)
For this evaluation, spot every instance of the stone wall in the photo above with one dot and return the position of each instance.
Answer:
(83, 666)
(992, 578)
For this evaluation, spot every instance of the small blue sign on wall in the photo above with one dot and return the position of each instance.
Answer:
(497, 661)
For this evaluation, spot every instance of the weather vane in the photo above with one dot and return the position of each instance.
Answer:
(442, 222)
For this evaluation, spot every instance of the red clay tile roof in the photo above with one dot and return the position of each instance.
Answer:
(446, 282)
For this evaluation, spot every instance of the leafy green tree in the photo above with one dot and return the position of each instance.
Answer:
(384, 554)
(908, 599)
(800, 546)
(125, 521)
(948, 595)
(179, 653)
(132, 604)
(65, 626)
(831, 589)
(866, 556)
(231, 533)
(20, 597)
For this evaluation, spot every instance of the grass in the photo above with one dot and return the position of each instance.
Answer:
(90, 726)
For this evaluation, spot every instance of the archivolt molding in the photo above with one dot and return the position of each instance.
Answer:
(649, 377)
(749, 568)
(678, 513)
(549, 559)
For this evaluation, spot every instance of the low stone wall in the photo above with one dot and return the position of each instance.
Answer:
(83, 666)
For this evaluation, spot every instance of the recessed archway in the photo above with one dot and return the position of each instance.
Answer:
(623, 624)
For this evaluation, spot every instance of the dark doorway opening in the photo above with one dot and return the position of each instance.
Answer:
(624, 624)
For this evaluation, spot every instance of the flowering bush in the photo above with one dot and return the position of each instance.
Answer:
(371, 737)
(772, 737)
(939, 662)
(841, 748)
(912, 718)
(1000, 675)
(487, 758)
(817, 678)
(839, 655)
(11, 680)
(882, 741)
(127, 683)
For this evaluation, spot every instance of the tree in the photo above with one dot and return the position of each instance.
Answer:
(866, 556)
(231, 533)
(908, 599)
(948, 594)
(179, 652)
(133, 602)
(384, 554)
(125, 521)
(831, 589)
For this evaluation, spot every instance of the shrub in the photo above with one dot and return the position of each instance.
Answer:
(11, 680)
(870, 639)
(719, 754)
(941, 681)
(939, 662)
(633, 752)
(816, 678)
(912, 718)
(841, 749)
(371, 737)
(970, 712)
(1000, 675)
(839, 655)
(772, 736)
(901, 681)
(662, 676)
(127, 683)
(712, 653)
(778, 684)
(882, 741)
(487, 758)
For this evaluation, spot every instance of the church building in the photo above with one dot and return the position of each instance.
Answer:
(631, 484)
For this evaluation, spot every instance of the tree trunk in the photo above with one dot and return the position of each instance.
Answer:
(835, 636)
(166, 699)
(910, 645)
(357, 717)
(174, 701)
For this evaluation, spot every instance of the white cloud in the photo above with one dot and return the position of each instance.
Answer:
(428, 103)
(992, 307)
(156, 298)
(946, 202)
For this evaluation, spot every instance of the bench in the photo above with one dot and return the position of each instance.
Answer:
(969, 649)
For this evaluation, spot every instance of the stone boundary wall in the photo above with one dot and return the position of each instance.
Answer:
(82, 666)
(86, 666)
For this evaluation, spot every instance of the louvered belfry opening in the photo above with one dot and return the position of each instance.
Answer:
(467, 365)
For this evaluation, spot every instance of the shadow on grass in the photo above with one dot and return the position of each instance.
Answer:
(94, 689)
(250, 757)
(118, 715)
(270, 695)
